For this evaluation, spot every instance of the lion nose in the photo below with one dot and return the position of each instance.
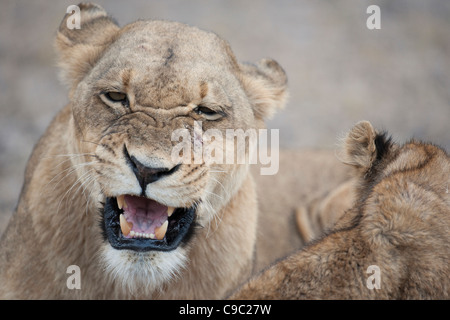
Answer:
(145, 174)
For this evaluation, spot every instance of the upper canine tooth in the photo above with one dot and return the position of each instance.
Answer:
(125, 226)
(120, 201)
(161, 231)
(170, 210)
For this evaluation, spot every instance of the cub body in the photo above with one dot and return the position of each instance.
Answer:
(397, 228)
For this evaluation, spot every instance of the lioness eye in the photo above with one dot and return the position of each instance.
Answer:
(117, 97)
(208, 113)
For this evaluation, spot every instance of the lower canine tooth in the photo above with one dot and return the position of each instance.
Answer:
(125, 226)
(161, 231)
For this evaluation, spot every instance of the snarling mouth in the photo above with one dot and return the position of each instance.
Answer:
(142, 224)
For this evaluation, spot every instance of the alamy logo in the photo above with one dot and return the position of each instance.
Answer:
(374, 281)
(73, 22)
(74, 280)
(374, 20)
(234, 146)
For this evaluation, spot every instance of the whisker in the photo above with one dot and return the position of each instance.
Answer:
(216, 218)
(90, 180)
(89, 195)
(72, 168)
(218, 169)
(69, 155)
(224, 190)
(73, 185)
(98, 144)
(62, 162)
(213, 194)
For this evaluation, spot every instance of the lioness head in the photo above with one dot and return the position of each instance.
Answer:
(131, 88)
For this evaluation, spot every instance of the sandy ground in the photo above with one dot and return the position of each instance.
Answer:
(339, 71)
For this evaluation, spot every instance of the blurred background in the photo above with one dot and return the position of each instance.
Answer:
(339, 71)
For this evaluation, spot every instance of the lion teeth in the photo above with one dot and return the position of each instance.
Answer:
(170, 210)
(121, 201)
(161, 231)
(125, 226)
(135, 234)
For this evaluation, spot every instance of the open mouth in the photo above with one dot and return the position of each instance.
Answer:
(142, 224)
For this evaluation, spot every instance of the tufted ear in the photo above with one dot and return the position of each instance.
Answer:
(363, 146)
(359, 146)
(80, 48)
(266, 86)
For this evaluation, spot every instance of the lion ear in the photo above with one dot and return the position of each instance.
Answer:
(266, 86)
(80, 47)
(364, 147)
(360, 147)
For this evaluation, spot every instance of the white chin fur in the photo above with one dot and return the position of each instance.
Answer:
(143, 272)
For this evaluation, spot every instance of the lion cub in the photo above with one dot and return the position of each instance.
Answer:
(394, 241)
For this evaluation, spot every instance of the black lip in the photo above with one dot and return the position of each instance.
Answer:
(179, 230)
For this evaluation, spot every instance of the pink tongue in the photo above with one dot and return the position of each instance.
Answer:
(145, 214)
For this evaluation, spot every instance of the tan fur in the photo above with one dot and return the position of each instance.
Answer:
(321, 214)
(304, 175)
(166, 69)
(399, 222)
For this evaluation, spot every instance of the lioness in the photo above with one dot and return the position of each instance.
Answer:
(102, 195)
(394, 243)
